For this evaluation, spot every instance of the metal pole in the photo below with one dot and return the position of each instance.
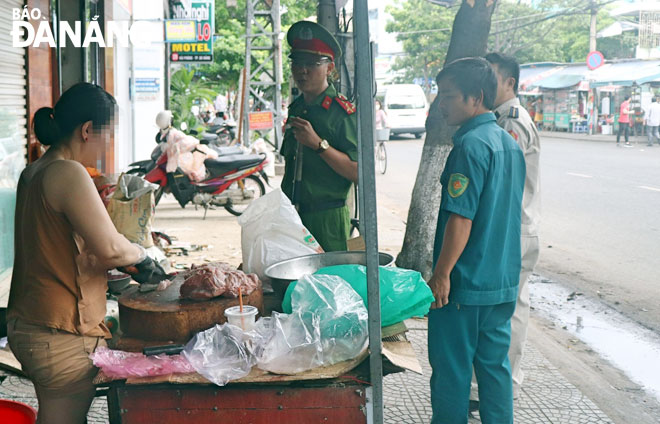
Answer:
(367, 183)
(592, 26)
(132, 95)
(277, 73)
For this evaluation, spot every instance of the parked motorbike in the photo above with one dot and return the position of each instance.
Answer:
(232, 181)
(219, 135)
(143, 167)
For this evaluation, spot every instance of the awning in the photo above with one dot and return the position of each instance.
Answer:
(529, 74)
(564, 76)
(626, 73)
(556, 82)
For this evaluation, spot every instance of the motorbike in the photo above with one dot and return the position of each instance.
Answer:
(232, 180)
(143, 167)
(219, 135)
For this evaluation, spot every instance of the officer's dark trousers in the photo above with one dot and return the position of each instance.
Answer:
(461, 337)
(623, 127)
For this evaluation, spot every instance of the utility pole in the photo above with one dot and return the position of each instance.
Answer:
(592, 47)
(326, 15)
(592, 27)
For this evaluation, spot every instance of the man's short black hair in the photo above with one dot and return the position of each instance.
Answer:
(626, 98)
(507, 65)
(474, 77)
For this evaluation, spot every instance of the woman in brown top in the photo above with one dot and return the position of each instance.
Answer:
(65, 242)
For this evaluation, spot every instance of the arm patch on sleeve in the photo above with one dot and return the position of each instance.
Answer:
(457, 184)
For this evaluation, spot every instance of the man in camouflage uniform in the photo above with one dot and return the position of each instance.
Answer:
(324, 123)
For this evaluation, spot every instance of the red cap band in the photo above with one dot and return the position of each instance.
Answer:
(314, 46)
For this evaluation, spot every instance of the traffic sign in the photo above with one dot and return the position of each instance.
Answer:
(595, 59)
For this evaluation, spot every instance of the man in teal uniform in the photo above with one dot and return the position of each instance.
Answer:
(324, 123)
(476, 251)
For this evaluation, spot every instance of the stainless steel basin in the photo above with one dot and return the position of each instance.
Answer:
(283, 273)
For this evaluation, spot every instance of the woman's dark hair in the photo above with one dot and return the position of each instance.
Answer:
(81, 103)
(473, 77)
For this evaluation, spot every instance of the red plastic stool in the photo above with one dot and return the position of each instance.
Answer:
(16, 413)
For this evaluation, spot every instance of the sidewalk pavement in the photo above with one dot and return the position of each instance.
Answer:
(638, 139)
(547, 397)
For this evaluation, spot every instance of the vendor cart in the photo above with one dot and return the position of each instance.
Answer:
(338, 393)
(350, 395)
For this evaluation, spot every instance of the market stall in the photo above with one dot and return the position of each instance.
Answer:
(346, 389)
(283, 385)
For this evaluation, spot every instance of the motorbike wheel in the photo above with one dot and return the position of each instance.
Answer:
(251, 182)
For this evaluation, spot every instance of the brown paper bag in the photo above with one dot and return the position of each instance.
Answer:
(133, 217)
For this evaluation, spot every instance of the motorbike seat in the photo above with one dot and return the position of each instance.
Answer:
(226, 151)
(225, 164)
(209, 136)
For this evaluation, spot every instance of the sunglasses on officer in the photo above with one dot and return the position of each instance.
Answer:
(309, 63)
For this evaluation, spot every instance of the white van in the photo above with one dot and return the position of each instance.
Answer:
(406, 108)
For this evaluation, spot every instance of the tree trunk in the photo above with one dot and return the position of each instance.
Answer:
(469, 38)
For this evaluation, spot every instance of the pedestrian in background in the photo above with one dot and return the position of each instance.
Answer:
(515, 120)
(624, 121)
(476, 252)
(652, 122)
(381, 116)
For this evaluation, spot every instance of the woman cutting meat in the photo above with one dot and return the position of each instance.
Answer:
(64, 243)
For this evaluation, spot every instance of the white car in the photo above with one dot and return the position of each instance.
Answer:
(406, 108)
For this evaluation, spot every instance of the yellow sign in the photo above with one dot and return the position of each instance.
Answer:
(179, 30)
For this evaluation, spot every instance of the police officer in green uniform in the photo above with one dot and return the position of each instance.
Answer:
(476, 252)
(321, 132)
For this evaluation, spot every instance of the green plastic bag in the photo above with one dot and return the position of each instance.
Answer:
(403, 293)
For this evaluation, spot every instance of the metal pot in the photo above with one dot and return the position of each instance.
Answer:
(116, 285)
(284, 272)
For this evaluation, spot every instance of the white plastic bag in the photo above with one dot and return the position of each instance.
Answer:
(329, 324)
(292, 344)
(271, 231)
(220, 354)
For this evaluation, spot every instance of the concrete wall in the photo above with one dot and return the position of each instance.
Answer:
(149, 63)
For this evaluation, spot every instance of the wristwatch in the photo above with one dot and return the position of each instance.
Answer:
(323, 146)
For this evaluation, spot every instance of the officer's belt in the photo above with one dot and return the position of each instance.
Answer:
(320, 206)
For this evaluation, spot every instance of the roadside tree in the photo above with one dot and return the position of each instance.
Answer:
(469, 37)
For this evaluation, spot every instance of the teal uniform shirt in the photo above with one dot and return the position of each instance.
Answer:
(483, 181)
(323, 191)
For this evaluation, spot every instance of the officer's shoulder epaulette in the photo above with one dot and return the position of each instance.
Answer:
(513, 112)
(345, 104)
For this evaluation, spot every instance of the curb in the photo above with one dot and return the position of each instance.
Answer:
(585, 137)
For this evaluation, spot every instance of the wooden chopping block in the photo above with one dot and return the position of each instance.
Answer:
(164, 316)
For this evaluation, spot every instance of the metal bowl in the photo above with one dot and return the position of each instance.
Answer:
(116, 285)
(283, 273)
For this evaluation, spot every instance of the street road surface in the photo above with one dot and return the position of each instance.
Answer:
(600, 230)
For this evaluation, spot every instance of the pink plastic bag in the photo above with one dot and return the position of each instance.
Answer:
(119, 364)
(180, 154)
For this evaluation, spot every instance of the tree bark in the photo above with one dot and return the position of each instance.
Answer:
(469, 38)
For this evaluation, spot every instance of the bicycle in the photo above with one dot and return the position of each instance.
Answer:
(382, 135)
(381, 157)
